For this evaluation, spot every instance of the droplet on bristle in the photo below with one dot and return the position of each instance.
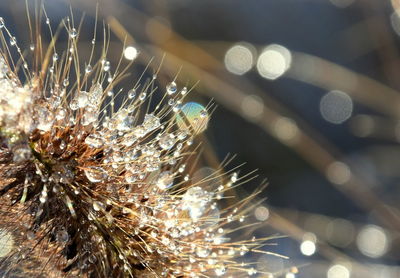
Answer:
(73, 33)
(171, 88)
(88, 69)
(95, 174)
(192, 117)
(13, 41)
(2, 23)
(106, 66)
(165, 180)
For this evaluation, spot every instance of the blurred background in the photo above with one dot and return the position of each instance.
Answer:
(308, 93)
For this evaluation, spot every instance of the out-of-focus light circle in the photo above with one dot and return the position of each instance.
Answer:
(362, 125)
(286, 129)
(274, 61)
(338, 172)
(6, 243)
(261, 213)
(130, 53)
(342, 3)
(336, 107)
(338, 271)
(372, 241)
(340, 232)
(239, 59)
(308, 247)
(252, 106)
(290, 275)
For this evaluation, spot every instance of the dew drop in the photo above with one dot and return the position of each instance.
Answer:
(95, 174)
(171, 88)
(192, 116)
(73, 33)
(88, 69)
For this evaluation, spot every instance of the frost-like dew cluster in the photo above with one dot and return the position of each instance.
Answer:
(95, 190)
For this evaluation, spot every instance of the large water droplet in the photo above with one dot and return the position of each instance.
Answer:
(193, 117)
(95, 174)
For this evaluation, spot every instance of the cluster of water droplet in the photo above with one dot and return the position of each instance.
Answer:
(122, 167)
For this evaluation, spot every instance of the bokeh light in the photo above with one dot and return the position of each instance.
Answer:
(338, 172)
(130, 53)
(336, 107)
(261, 213)
(274, 61)
(373, 241)
(338, 271)
(252, 107)
(308, 246)
(239, 58)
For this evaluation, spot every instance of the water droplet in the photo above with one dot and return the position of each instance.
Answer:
(83, 99)
(55, 57)
(171, 88)
(62, 236)
(167, 141)
(74, 104)
(47, 21)
(192, 117)
(151, 122)
(13, 41)
(165, 180)
(88, 69)
(106, 66)
(195, 201)
(73, 33)
(2, 23)
(220, 270)
(94, 141)
(184, 91)
(95, 174)
(131, 93)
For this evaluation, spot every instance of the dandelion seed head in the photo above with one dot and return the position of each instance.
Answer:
(107, 187)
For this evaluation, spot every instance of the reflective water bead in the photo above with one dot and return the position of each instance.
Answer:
(151, 122)
(95, 174)
(165, 180)
(184, 91)
(220, 270)
(171, 88)
(83, 99)
(1, 22)
(13, 41)
(131, 93)
(167, 141)
(192, 116)
(73, 33)
(74, 104)
(106, 66)
(88, 69)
